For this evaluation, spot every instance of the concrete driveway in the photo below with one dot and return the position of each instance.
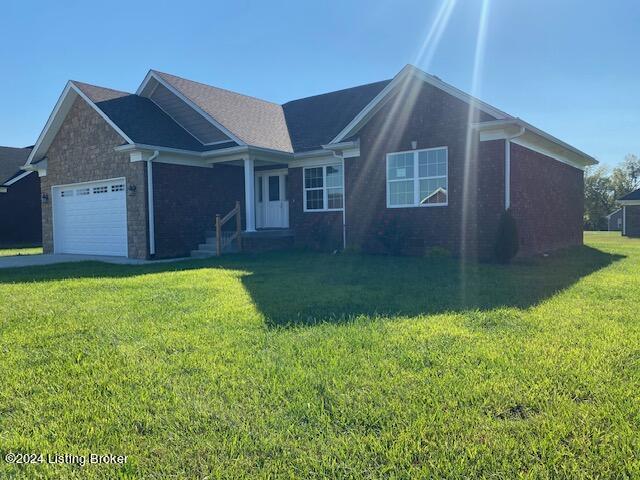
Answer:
(49, 259)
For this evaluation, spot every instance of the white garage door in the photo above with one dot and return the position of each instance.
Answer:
(90, 218)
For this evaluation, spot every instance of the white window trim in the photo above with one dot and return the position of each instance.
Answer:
(416, 180)
(324, 188)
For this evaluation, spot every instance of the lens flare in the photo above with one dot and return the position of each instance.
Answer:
(470, 175)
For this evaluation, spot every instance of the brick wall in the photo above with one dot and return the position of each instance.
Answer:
(186, 200)
(547, 201)
(632, 221)
(468, 224)
(20, 219)
(316, 230)
(83, 151)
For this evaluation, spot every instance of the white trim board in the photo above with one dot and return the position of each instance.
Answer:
(17, 179)
(407, 73)
(59, 114)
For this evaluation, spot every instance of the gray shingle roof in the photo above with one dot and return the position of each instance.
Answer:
(11, 159)
(140, 118)
(315, 121)
(635, 195)
(256, 122)
(297, 126)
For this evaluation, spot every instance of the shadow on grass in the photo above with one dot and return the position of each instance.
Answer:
(300, 288)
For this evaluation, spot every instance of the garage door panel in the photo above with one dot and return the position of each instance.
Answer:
(91, 218)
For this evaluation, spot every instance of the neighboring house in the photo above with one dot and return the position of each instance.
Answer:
(631, 214)
(20, 217)
(614, 221)
(410, 160)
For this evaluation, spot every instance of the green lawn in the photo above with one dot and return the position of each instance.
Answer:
(317, 366)
(10, 251)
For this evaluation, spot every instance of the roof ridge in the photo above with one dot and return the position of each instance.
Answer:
(218, 88)
(76, 82)
(337, 91)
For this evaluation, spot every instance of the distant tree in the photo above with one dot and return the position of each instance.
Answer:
(598, 198)
(621, 182)
(631, 167)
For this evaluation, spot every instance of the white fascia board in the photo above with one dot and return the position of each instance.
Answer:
(210, 156)
(17, 179)
(628, 203)
(101, 113)
(57, 117)
(406, 73)
(60, 109)
(534, 139)
(177, 93)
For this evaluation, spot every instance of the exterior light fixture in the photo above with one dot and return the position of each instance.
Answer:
(44, 198)
(414, 144)
(132, 190)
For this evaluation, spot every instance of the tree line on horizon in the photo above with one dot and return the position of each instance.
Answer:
(603, 188)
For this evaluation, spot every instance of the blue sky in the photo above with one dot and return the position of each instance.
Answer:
(569, 67)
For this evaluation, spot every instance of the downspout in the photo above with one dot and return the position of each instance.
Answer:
(344, 206)
(151, 216)
(507, 167)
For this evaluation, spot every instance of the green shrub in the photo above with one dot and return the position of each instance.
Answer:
(507, 243)
(437, 252)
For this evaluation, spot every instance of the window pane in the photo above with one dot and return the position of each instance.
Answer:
(314, 200)
(401, 193)
(274, 188)
(334, 197)
(432, 163)
(313, 177)
(400, 166)
(334, 176)
(433, 190)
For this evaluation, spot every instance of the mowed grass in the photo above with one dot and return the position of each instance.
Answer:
(8, 251)
(301, 365)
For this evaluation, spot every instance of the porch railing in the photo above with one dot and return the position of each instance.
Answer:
(222, 242)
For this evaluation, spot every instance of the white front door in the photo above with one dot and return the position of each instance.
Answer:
(272, 204)
(90, 218)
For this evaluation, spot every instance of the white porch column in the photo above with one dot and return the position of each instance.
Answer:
(249, 195)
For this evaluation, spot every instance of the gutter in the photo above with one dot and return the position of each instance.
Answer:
(151, 213)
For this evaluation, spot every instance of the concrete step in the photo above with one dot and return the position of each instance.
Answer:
(207, 247)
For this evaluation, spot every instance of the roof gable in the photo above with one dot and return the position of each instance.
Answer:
(250, 120)
(11, 162)
(400, 81)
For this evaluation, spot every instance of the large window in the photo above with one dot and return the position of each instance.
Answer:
(323, 188)
(418, 178)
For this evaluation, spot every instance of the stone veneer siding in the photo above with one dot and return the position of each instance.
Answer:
(83, 151)
(547, 201)
(186, 200)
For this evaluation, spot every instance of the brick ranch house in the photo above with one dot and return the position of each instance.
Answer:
(411, 160)
(631, 214)
(20, 217)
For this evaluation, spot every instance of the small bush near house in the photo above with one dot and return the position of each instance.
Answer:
(391, 236)
(437, 252)
(506, 246)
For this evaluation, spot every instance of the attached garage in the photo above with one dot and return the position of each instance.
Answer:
(90, 218)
